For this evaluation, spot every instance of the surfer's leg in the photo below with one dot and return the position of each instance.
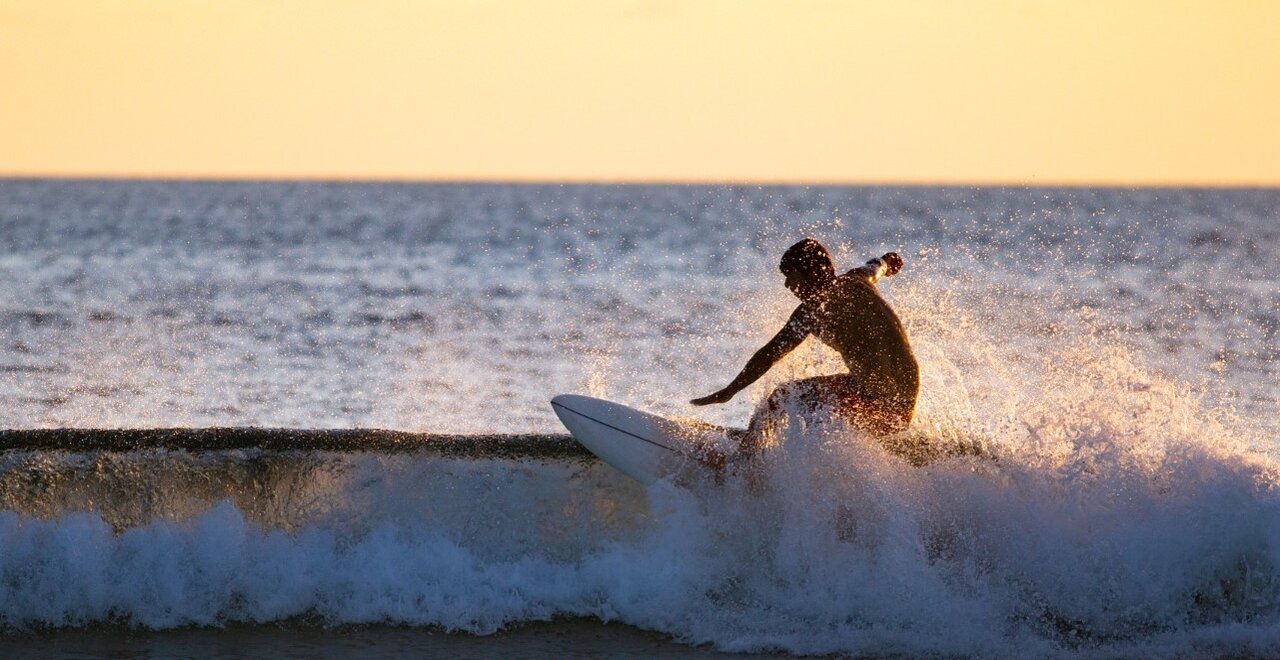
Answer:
(807, 397)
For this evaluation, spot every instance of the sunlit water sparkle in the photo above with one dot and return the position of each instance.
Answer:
(1115, 353)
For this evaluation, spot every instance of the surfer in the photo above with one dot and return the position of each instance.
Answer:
(845, 312)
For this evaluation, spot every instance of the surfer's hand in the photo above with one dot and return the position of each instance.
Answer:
(719, 397)
(893, 261)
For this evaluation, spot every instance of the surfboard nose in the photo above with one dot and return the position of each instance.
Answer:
(568, 407)
(573, 400)
(628, 439)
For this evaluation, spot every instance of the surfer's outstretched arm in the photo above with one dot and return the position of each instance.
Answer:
(787, 339)
(883, 266)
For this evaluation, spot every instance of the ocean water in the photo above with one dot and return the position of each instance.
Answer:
(1114, 352)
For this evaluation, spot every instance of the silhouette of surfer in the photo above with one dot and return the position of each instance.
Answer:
(845, 312)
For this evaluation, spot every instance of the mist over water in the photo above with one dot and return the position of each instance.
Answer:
(1113, 352)
(415, 306)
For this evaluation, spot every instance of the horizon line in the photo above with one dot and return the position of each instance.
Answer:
(645, 181)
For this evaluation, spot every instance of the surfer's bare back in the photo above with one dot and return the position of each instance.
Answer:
(845, 312)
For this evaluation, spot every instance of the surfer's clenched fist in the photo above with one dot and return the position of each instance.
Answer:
(846, 313)
(893, 262)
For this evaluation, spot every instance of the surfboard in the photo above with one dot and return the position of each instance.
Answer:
(643, 446)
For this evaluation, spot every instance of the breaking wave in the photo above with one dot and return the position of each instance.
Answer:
(1111, 512)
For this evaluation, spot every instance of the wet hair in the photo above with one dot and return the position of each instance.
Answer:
(809, 258)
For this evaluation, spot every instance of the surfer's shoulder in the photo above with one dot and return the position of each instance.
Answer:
(854, 280)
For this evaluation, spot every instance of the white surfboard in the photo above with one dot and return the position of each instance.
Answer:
(643, 446)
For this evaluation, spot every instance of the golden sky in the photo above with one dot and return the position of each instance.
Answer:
(1015, 91)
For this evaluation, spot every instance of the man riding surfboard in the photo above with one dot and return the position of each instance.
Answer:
(845, 312)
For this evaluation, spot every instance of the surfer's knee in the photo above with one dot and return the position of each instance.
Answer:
(786, 390)
(796, 391)
(778, 399)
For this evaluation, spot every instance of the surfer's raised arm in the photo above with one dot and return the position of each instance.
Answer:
(788, 338)
(883, 266)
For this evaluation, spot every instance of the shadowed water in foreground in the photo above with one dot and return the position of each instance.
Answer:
(569, 638)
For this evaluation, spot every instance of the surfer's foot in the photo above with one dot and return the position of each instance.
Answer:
(713, 459)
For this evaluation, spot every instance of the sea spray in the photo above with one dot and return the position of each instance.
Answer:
(1098, 365)
(841, 546)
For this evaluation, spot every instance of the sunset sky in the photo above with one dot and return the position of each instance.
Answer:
(1030, 91)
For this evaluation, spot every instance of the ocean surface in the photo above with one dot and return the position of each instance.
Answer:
(1114, 353)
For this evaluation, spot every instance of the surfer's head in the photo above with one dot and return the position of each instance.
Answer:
(808, 268)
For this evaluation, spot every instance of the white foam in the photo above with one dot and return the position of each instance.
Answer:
(1148, 535)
